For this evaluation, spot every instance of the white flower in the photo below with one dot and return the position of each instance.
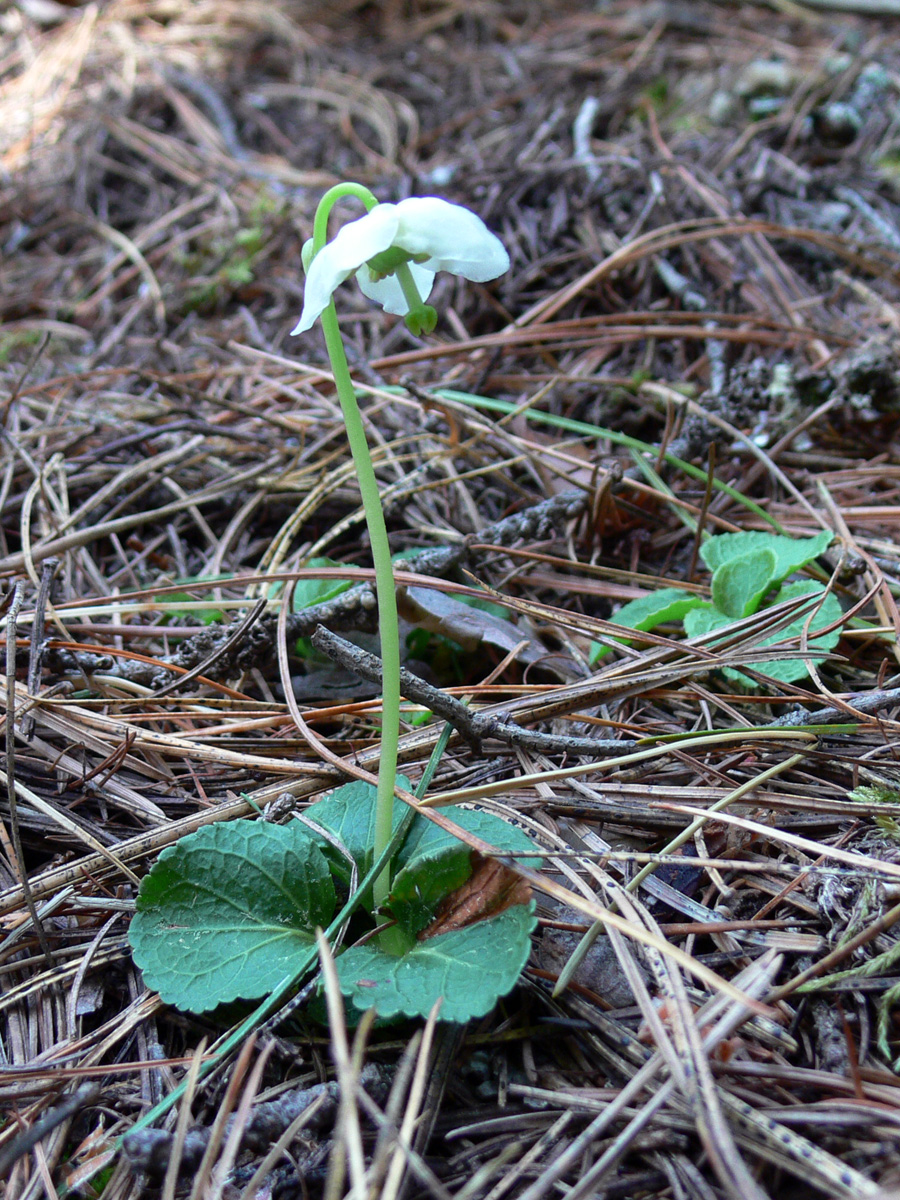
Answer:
(431, 234)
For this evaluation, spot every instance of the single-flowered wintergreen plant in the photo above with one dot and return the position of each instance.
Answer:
(230, 911)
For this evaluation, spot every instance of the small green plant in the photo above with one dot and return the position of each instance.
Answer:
(747, 569)
(17, 339)
(236, 258)
(308, 592)
(395, 250)
(196, 607)
(879, 794)
(230, 912)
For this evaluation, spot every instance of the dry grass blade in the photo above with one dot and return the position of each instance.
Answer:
(689, 1067)
(223, 1167)
(397, 1165)
(347, 1151)
(181, 1127)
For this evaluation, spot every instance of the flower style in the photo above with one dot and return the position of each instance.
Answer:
(423, 234)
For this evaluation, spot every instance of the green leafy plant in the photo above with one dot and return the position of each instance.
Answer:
(231, 910)
(879, 794)
(748, 576)
(228, 263)
(206, 614)
(17, 339)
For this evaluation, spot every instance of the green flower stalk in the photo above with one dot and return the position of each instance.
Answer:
(395, 251)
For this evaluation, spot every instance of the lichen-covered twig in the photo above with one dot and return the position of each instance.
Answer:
(234, 639)
(867, 702)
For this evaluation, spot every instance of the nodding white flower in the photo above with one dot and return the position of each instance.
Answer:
(429, 234)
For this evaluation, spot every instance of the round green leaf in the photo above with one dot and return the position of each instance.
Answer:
(417, 890)
(704, 619)
(788, 670)
(426, 839)
(470, 968)
(656, 608)
(791, 554)
(229, 911)
(309, 591)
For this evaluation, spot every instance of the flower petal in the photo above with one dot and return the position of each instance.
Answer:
(454, 238)
(388, 293)
(353, 245)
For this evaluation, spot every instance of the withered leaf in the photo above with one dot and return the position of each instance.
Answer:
(489, 890)
(471, 628)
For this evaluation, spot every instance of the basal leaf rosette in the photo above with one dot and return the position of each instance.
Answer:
(348, 813)
(230, 911)
(469, 968)
(787, 667)
(746, 568)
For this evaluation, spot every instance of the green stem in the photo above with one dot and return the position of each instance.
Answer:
(328, 201)
(421, 317)
(388, 625)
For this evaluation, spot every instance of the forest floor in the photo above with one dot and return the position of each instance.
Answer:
(698, 335)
